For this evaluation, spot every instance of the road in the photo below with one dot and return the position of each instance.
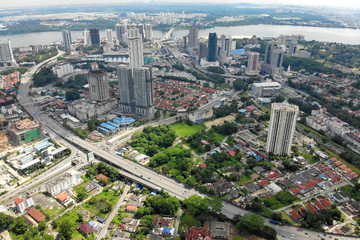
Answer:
(112, 214)
(139, 173)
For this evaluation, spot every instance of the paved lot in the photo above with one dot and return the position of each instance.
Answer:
(46, 202)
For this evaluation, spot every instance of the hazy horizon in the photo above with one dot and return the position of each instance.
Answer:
(353, 4)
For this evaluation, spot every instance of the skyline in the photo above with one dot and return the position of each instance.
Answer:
(353, 4)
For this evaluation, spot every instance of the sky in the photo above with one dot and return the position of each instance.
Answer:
(354, 4)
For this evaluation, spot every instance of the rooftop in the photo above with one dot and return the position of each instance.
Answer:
(22, 125)
(36, 214)
(285, 106)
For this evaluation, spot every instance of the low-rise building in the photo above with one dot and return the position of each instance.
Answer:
(265, 89)
(63, 183)
(23, 203)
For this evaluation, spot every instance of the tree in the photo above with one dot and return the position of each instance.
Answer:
(19, 226)
(252, 222)
(42, 226)
(81, 194)
(72, 95)
(5, 221)
(189, 221)
(65, 230)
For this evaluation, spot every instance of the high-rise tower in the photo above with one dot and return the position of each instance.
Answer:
(120, 30)
(282, 127)
(253, 64)
(109, 35)
(212, 47)
(87, 38)
(194, 38)
(135, 48)
(6, 55)
(273, 59)
(95, 36)
(98, 84)
(148, 32)
(66, 34)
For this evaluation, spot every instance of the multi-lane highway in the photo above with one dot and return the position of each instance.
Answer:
(140, 173)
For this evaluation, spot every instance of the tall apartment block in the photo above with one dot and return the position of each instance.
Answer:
(282, 127)
(87, 38)
(120, 30)
(66, 34)
(135, 47)
(253, 64)
(6, 55)
(109, 35)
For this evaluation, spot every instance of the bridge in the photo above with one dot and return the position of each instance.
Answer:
(168, 34)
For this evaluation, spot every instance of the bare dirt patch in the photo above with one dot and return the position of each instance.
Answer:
(219, 121)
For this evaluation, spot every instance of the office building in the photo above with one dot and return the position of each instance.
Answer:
(62, 69)
(194, 38)
(222, 42)
(109, 36)
(265, 89)
(6, 55)
(203, 52)
(63, 183)
(212, 47)
(184, 42)
(148, 32)
(141, 28)
(24, 131)
(87, 38)
(282, 127)
(253, 64)
(120, 30)
(273, 60)
(98, 84)
(95, 36)
(66, 34)
(135, 47)
(292, 48)
(136, 91)
(228, 46)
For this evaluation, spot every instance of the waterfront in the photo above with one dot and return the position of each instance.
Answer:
(340, 35)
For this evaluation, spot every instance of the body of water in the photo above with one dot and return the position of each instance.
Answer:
(340, 35)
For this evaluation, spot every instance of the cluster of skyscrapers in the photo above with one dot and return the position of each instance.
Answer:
(135, 80)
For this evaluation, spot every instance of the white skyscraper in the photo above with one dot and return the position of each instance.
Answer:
(253, 64)
(109, 35)
(6, 55)
(66, 39)
(282, 127)
(148, 32)
(87, 38)
(194, 38)
(98, 84)
(143, 92)
(135, 48)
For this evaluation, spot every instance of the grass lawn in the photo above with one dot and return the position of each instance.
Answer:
(285, 216)
(310, 158)
(52, 213)
(76, 189)
(109, 195)
(245, 180)
(184, 130)
(280, 200)
(219, 137)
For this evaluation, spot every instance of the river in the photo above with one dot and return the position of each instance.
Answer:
(340, 35)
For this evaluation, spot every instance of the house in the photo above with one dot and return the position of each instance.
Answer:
(262, 182)
(252, 187)
(36, 214)
(85, 229)
(100, 220)
(23, 203)
(295, 216)
(232, 153)
(198, 234)
(162, 222)
(311, 208)
(347, 230)
(91, 186)
(102, 177)
(63, 197)
(326, 203)
(168, 231)
(131, 208)
(319, 205)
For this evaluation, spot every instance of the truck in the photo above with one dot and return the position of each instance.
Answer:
(275, 222)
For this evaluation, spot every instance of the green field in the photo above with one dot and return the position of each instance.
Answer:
(184, 130)
(73, 218)
(94, 205)
(280, 200)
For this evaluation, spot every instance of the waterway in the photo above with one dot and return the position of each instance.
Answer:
(340, 35)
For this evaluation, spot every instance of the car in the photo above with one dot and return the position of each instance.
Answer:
(298, 230)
